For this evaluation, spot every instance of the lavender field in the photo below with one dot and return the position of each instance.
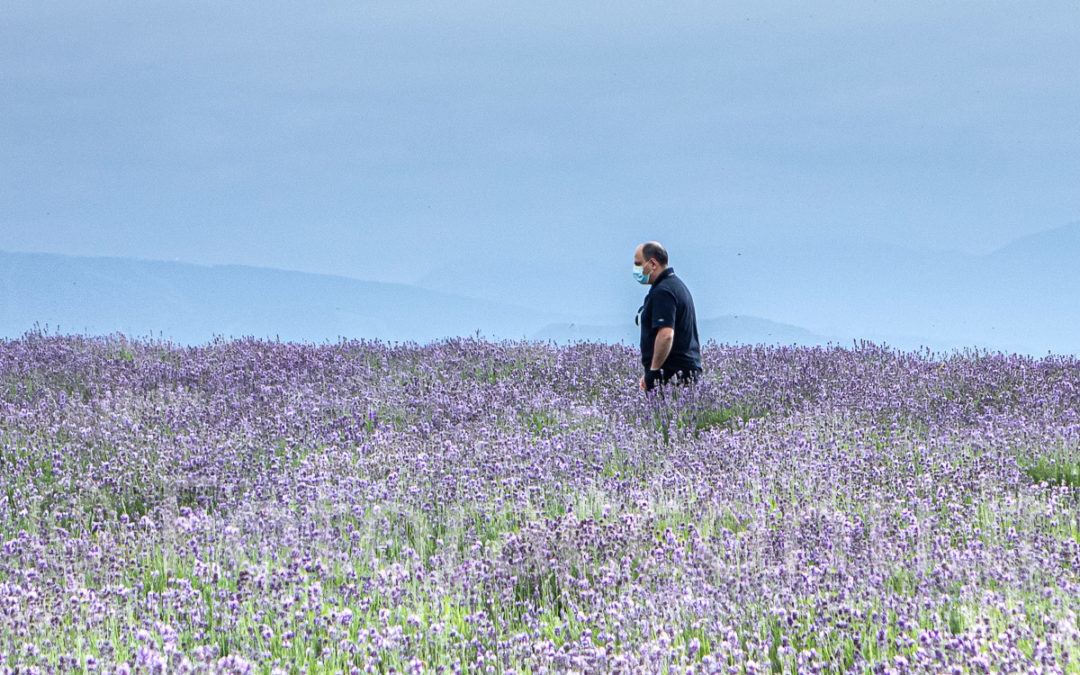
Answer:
(467, 507)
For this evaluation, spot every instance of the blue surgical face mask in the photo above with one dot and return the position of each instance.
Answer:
(639, 274)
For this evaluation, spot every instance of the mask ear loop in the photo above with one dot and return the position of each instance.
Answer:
(637, 317)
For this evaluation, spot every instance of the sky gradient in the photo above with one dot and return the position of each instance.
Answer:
(388, 140)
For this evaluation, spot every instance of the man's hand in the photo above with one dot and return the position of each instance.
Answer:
(651, 379)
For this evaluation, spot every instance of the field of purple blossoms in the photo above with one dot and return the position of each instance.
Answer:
(251, 506)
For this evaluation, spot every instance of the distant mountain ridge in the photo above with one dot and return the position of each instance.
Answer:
(728, 329)
(1024, 297)
(192, 304)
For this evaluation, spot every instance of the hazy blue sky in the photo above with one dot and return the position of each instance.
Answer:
(363, 138)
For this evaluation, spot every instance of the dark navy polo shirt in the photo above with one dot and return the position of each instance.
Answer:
(669, 304)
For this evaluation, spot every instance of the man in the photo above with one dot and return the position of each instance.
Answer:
(669, 335)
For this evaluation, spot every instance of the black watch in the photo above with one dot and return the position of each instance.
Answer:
(653, 377)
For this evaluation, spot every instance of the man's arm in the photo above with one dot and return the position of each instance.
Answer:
(665, 337)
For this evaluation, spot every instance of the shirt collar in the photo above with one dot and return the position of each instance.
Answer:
(670, 271)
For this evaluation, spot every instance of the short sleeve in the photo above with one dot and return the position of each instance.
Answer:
(663, 309)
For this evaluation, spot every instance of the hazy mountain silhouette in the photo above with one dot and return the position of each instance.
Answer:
(1023, 297)
(193, 303)
(727, 329)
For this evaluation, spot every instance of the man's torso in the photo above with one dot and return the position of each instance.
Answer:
(669, 303)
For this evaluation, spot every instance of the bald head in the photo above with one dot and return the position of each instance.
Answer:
(651, 250)
(652, 258)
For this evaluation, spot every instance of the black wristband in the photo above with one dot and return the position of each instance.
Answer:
(652, 377)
